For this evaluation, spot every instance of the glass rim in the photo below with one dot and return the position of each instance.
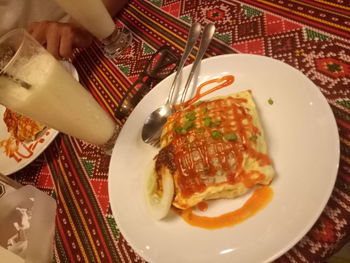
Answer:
(22, 32)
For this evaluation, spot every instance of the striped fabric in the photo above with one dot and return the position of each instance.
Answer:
(311, 35)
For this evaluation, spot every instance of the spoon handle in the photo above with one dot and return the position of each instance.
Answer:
(208, 34)
(195, 31)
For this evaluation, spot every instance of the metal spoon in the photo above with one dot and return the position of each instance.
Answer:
(154, 122)
(151, 133)
(208, 34)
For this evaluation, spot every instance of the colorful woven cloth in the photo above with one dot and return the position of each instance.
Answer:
(311, 35)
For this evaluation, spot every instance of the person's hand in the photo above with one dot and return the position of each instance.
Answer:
(60, 38)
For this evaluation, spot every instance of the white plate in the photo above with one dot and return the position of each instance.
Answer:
(303, 142)
(27, 152)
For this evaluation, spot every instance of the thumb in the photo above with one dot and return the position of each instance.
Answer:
(83, 39)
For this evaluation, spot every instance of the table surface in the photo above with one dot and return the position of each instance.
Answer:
(310, 35)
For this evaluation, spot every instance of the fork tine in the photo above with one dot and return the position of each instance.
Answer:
(154, 141)
(157, 145)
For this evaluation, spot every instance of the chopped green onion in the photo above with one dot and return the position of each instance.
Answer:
(204, 110)
(188, 125)
(180, 130)
(231, 136)
(207, 122)
(199, 130)
(253, 138)
(215, 134)
(191, 116)
(198, 103)
(270, 101)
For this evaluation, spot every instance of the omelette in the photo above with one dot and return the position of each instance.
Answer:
(211, 149)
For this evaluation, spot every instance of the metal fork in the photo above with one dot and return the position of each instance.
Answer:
(207, 36)
(155, 141)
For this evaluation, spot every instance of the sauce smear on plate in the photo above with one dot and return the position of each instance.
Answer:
(259, 199)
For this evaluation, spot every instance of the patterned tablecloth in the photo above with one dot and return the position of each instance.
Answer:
(311, 35)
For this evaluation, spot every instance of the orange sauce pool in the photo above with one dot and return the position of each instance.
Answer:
(259, 199)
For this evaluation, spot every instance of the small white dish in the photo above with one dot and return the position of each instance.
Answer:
(27, 152)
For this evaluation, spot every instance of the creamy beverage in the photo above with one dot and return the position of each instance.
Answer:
(56, 99)
(91, 14)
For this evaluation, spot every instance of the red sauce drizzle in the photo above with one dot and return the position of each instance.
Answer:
(227, 80)
(19, 150)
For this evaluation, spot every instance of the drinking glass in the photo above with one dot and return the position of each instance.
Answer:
(35, 84)
(94, 17)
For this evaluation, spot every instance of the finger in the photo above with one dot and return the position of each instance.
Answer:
(37, 30)
(33, 26)
(82, 39)
(73, 37)
(30, 28)
(66, 45)
(53, 40)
